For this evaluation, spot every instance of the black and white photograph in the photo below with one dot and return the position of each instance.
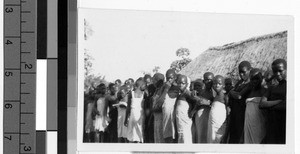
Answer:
(182, 78)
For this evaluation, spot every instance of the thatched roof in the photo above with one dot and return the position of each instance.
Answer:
(223, 60)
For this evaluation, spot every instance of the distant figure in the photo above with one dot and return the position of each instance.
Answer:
(135, 114)
(158, 81)
(147, 79)
(90, 116)
(149, 120)
(269, 80)
(100, 122)
(118, 82)
(110, 102)
(237, 104)
(217, 115)
(228, 85)
(255, 120)
(131, 82)
(275, 101)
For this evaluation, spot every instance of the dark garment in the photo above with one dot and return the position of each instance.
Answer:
(112, 128)
(89, 137)
(149, 130)
(276, 126)
(237, 115)
(149, 123)
(85, 135)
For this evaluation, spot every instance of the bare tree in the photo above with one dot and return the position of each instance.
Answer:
(88, 31)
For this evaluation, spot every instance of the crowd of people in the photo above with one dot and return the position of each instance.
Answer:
(172, 109)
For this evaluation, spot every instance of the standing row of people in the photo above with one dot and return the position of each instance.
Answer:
(172, 109)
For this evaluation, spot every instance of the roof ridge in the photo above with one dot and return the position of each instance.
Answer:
(257, 38)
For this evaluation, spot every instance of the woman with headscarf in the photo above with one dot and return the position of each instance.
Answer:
(158, 80)
(255, 122)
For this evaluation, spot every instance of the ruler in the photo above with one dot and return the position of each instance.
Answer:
(19, 76)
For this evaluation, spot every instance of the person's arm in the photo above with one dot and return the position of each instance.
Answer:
(128, 110)
(142, 118)
(205, 100)
(201, 100)
(234, 94)
(146, 93)
(105, 113)
(161, 99)
(264, 103)
(190, 98)
(193, 111)
(88, 117)
(239, 95)
(98, 107)
(146, 107)
(228, 109)
(226, 99)
(281, 106)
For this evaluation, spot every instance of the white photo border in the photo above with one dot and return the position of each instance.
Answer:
(114, 147)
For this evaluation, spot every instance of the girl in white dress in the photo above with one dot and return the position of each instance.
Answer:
(91, 111)
(217, 115)
(135, 113)
(100, 122)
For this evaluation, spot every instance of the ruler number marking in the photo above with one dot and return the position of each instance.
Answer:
(9, 138)
(27, 148)
(28, 66)
(8, 106)
(8, 42)
(9, 10)
(8, 73)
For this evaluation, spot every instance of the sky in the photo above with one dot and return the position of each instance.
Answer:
(126, 43)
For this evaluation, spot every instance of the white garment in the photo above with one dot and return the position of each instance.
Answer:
(216, 122)
(183, 122)
(100, 121)
(255, 122)
(168, 117)
(122, 129)
(135, 120)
